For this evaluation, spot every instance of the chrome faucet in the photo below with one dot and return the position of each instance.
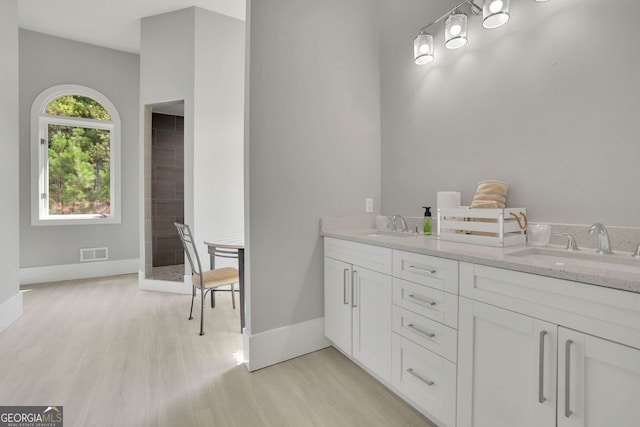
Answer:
(636, 254)
(604, 241)
(572, 245)
(402, 221)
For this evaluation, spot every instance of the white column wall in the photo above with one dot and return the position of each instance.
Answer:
(10, 297)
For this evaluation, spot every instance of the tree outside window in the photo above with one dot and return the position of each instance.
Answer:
(79, 159)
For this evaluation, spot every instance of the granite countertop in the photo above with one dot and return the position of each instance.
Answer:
(498, 257)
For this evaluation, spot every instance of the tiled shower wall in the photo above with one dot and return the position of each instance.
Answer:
(167, 188)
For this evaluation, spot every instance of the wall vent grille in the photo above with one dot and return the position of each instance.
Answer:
(94, 254)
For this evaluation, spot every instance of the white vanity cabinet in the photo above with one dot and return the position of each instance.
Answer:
(536, 351)
(598, 382)
(507, 368)
(357, 299)
(424, 343)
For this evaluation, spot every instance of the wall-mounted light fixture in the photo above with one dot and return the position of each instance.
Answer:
(423, 48)
(455, 30)
(495, 13)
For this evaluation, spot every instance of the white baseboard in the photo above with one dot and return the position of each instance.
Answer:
(277, 345)
(85, 270)
(10, 311)
(165, 285)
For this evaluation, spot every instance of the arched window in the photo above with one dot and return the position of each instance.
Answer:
(75, 157)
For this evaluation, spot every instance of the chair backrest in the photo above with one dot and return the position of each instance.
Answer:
(219, 252)
(188, 243)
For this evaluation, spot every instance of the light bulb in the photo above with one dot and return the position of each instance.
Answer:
(455, 29)
(495, 6)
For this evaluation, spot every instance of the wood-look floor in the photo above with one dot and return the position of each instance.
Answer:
(114, 355)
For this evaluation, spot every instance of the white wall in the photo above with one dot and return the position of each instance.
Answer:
(218, 184)
(548, 103)
(47, 61)
(10, 298)
(314, 144)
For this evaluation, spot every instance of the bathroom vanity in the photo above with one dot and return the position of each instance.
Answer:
(487, 337)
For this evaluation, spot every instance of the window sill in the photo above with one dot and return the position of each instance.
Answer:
(76, 220)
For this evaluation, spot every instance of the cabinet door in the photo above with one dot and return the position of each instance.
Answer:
(506, 368)
(598, 382)
(337, 303)
(372, 321)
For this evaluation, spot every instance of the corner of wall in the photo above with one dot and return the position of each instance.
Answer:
(277, 345)
(10, 311)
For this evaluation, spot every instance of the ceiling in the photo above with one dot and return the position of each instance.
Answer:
(113, 23)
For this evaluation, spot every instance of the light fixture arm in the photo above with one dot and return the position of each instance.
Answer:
(475, 9)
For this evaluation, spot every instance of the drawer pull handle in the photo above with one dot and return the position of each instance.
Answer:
(345, 292)
(424, 380)
(421, 331)
(419, 269)
(422, 299)
(567, 379)
(354, 283)
(541, 397)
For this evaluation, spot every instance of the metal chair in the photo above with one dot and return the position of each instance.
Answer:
(218, 252)
(207, 281)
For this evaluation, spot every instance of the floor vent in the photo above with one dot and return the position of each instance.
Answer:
(94, 254)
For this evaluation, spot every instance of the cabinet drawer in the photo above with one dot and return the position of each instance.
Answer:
(427, 380)
(429, 302)
(596, 310)
(374, 258)
(426, 270)
(432, 335)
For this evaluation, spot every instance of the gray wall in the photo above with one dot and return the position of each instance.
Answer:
(548, 102)
(46, 61)
(9, 148)
(314, 144)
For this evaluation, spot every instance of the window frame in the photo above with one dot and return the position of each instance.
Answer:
(40, 121)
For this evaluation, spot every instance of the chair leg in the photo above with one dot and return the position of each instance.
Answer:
(213, 298)
(202, 311)
(233, 296)
(193, 296)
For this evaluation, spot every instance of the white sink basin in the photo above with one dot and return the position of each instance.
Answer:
(622, 263)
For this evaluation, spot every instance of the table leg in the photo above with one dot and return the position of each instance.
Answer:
(241, 286)
(212, 266)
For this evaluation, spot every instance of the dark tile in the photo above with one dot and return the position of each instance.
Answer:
(164, 190)
(163, 121)
(169, 139)
(161, 259)
(179, 191)
(163, 227)
(162, 155)
(168, 208)
(168, 244)
(169, 173)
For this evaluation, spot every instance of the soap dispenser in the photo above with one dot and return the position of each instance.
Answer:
(427, 220)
